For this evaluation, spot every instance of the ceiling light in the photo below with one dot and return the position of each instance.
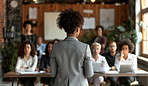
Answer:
(93, 1)
(34, 0)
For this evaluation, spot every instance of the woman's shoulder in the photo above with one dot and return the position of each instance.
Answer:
(103, 37)
(19, 57)
(117, 55)
(33, 34)
(103, 57)
(132, 55)
(35, 57)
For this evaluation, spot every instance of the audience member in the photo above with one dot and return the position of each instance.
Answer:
(96, 48)
(45, 64)
(70, 61)
(110, 57)
(125, 57)
(100, 38)
(28, 33)
(56, 41)
(27, 61)
(40, 46)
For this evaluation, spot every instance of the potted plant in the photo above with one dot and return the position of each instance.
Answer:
(9, 56)
(124, 31)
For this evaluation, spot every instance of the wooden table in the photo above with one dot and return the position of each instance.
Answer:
(17, 75)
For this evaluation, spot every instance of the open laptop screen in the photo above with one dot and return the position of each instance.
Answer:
(126, 68)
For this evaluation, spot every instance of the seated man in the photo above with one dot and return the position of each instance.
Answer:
(40, 46)
(110, 57)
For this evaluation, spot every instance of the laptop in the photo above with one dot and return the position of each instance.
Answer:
(126, 68)
(96, 67)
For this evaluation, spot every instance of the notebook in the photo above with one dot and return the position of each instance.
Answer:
(126, 68)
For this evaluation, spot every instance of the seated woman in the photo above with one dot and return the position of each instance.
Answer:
(45, 64)
(96, 48)
(27, 61)
(125, 57)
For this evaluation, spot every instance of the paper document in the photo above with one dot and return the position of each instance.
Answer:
(112, 72)
(140, 72)
(33, 72)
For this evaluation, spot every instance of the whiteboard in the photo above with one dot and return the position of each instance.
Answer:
(51, 31)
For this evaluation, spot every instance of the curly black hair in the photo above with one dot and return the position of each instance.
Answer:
(126, 42)
(21, 50)
(100, 26)
(69, 20)
(30, 23)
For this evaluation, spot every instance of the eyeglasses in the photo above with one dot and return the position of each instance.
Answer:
(112, 46)
(95, 49)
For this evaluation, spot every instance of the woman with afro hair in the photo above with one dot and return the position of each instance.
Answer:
(126, 47)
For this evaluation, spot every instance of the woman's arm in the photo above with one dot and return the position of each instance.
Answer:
(42, 63)
(117, 62)
(19, 66)
(34, 64)
(103, 44)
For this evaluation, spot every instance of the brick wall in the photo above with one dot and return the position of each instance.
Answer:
(1, 19)
(1, 31)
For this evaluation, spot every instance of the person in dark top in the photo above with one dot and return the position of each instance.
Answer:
(110, 57)
(45, 64)
(28, 33)
(100, 38)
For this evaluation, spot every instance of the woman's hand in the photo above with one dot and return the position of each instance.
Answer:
(47, 69)
(121, 55)
(36, 69)
(36, 53)
(24, 67)
(113, 68)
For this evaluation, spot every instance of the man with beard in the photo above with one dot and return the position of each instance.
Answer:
(110, 57)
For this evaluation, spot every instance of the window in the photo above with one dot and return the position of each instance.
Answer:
(144, 5)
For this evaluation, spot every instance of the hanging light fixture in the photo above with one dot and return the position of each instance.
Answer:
(93, 1)
(34, 0)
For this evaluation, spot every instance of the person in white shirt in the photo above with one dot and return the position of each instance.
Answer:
(27, 61)
(96, 57)
(125, 57)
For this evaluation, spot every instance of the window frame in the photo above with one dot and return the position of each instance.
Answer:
(144, 10)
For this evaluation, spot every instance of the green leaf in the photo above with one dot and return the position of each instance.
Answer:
(121, 28)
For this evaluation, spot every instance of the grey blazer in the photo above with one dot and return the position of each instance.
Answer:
(71, 63)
